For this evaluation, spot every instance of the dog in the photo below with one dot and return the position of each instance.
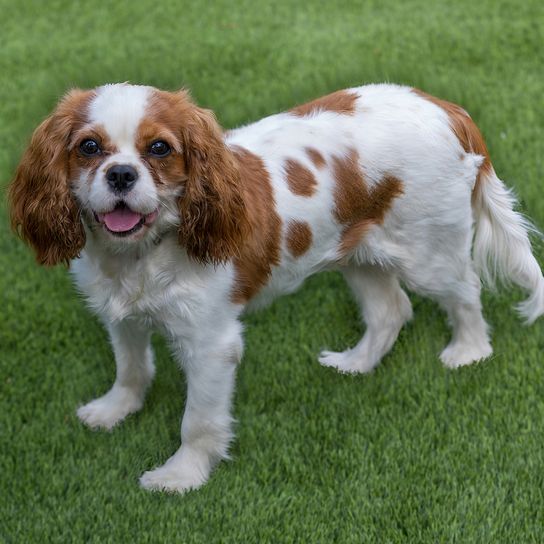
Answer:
(168, 222)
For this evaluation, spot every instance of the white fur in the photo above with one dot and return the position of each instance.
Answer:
(502, 248)
(424, 241)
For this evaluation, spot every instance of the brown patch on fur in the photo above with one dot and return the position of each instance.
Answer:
(316, 157)
(214, 221)
(164, 170)
(466, 131)
(299, 179)
(350, 192)
(351, 236)
(338, 102)
(95, 132)
(357, 206)
(299, 238)
(78, 161)
(380, 199)
(42, 208)
(261, 248)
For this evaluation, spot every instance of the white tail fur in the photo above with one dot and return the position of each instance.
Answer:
(502, 249)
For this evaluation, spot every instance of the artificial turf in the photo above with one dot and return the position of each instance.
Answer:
(412, 452)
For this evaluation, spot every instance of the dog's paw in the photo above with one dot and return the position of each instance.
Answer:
(170, 480)
(174, 478)
(109, 410)
(460, 354)
(184, 471)
(349, 361)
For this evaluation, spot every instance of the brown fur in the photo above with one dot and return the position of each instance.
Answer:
(316, 157)
(465, 129)
(338, 102)
(299, 179)
(214, 219)
(261, 248)
(357, 206)
(95, 132)
(78, 161)
(43, 210)
(166, 170)
(299, 238)
(350, 192)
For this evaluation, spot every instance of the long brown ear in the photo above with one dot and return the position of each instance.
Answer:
(43, 210)
(213, 215)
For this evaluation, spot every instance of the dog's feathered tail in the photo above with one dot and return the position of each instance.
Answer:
(502, 249)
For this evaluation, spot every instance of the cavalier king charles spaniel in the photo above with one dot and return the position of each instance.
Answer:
(169, 223)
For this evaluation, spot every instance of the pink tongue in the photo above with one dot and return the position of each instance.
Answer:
(121, 219)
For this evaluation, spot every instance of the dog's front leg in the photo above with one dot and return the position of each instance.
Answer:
(135, 370)
(206, 430)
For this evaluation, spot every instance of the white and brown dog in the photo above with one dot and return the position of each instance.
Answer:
(170, 223)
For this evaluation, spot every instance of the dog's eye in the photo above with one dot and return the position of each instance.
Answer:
(89, 147)
(159, 149)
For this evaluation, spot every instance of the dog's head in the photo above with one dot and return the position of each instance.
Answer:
(128, 163)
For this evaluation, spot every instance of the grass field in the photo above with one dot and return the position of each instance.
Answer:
(410, 453)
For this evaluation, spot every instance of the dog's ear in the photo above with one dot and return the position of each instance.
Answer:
(42, 208)
(213, 214)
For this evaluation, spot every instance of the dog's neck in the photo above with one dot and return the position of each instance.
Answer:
(102, 250)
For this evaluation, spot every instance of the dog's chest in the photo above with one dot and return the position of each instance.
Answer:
(159, 288)
(131, 292)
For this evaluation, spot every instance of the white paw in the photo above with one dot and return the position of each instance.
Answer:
(110, 409)
(462, 354)
(164, 479)
(348, 361)
(182, 472)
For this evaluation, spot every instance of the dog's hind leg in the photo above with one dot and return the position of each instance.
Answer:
(446, 274)
(384, 307)
(470, 340)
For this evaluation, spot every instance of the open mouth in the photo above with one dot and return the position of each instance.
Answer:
(122, 221)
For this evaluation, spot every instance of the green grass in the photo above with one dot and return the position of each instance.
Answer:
(411, 453)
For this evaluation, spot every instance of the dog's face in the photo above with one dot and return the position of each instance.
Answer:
(128, 163)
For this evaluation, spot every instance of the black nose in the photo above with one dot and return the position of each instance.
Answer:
(121, 177)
